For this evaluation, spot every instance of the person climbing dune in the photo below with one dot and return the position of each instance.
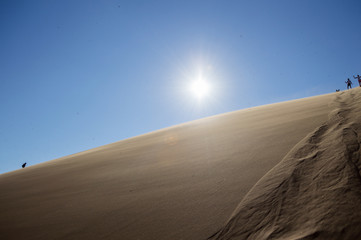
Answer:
(358, 78)
(349, 83)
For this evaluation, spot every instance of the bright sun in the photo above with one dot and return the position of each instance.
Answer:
(200, 88)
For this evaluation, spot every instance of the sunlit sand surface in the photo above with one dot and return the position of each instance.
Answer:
(283, 171)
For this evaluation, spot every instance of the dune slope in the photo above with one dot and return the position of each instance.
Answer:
(181, 182)
(315, 191)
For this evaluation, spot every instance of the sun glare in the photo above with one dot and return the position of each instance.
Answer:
(200, 88)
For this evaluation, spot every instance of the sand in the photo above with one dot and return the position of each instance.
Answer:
(282, 171)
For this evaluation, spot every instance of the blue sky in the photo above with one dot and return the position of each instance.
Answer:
(80, 74)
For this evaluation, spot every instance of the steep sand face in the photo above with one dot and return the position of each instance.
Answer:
(315, 191)
(178, 183)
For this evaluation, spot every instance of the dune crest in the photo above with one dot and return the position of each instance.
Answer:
(315, 191)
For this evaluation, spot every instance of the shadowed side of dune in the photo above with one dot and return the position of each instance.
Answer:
(315, 191)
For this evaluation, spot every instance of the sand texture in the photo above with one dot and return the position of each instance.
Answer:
(283, 171)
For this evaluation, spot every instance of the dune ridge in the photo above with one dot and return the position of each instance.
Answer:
(315, 191)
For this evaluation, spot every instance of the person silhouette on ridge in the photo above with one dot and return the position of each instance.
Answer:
(358, 78)
(23, 165)
(349, 83)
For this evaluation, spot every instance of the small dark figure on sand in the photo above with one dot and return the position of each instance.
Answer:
(23, 165)
(358, 78)
(337, 90)
(349, 83)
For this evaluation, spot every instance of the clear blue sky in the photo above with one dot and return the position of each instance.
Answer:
(80, 74)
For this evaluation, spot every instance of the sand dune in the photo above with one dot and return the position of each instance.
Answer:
(184, 182)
